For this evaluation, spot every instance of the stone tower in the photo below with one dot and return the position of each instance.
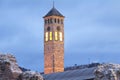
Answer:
(53, 41)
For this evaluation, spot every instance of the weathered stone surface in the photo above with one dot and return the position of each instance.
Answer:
(107, 72)
(9, 70)
(30, 75)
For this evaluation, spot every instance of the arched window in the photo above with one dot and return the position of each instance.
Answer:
(60, 36)
(58, 21)
(48, 21)
(50, 35)
(55, 20)
(51, 20)
(46, 36)
(45, 21)
(56, 35)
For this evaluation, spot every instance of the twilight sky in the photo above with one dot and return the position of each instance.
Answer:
(92, 30)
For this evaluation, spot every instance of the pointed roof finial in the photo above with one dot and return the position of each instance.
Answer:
(53, 12)
(53, 3)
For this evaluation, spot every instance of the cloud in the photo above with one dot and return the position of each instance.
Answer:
(91, 30)
(93, 27)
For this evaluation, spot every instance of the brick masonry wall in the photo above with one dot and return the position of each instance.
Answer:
(53, 50)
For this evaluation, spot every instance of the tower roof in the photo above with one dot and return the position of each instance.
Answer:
(53, 12)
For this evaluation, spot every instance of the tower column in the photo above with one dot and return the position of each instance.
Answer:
(53, 42)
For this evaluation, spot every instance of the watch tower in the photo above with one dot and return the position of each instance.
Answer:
(53, 41)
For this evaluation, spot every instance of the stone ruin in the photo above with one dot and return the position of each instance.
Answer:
(9, 70)
(107, 72)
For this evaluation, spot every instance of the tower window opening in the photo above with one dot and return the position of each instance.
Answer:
(45, 21)
(46, 36)
(58, 21)
(61, 21)
(50, 35)
(60, 36)
(51, 20)
(55, 20)
(48, 21)
(56, 35)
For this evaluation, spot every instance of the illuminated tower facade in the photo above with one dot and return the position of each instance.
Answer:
(53, 41)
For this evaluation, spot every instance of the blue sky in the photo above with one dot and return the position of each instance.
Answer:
(92, 30)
